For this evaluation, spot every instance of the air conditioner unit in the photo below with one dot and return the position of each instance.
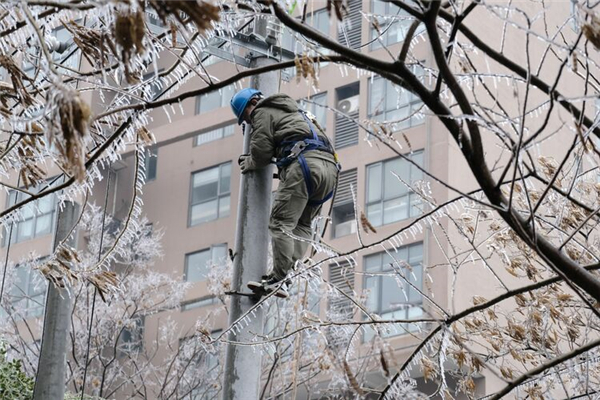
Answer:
(349, 105)
(345, 228)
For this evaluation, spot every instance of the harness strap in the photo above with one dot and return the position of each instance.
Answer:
(311, 144)
(311, 127)
(306, 173)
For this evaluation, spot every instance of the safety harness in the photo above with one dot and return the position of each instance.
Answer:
(294, 149)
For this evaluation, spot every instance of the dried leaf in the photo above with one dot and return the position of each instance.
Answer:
(352, 379)
(145, 136)
(339, 6)
(202, 13)
(17, 77)
(366, 224)
(129, 30)
(429, 369)
(384, 364)
(74, 116)
(105, 282)
(96, 45)
(591, 30)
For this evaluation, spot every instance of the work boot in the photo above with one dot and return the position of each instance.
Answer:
(268, 284)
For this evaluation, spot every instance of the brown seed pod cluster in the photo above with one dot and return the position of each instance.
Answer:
(305, 68)
(352, 379)
(104, 281)
(548, 164)
(591, 30)
(17, 77)
(31, 174)
(145, 136)
(74, 116)
(96, 45)
(366, 225)
(202, 13)
(129, 30)
(59, 270)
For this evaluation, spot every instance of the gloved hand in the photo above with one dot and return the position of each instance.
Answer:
(245, 163)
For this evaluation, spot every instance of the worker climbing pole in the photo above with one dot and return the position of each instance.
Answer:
(242, 363)
(276, 129)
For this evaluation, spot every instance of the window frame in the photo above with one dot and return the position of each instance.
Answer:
(19, 196)
(132, 339)
(222, 135)
(220, 93)
(26, 293)
(309, 17)
(210, 249)
(378, 276)
(200, 302)
(382, 199)
(374, 43)
(314, 104)
(151, 153)
(218, 197)
(414, 103)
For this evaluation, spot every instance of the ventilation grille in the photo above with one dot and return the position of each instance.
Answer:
(349, 34)
(346, 130)
(342, 278)
(347, 180)
(340, 307)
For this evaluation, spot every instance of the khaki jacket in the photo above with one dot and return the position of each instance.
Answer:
(274, 120)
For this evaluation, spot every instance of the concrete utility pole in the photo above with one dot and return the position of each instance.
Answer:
(50, 379)
(243, 363)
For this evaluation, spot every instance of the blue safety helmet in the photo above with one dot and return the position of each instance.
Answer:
(240, 100)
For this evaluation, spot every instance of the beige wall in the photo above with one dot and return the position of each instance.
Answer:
(166, 199)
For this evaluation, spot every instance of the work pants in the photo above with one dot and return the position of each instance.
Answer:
(291, 212)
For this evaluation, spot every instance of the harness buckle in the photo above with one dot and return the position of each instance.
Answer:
(297, 149)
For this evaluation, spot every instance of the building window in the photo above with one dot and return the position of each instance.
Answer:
(317, 105)
(28, 292)
(210, 197)
(213, 100)
(388, 293)
(202, 302)
(318, 20)
(390, 103)
(392, 23)
(132, 335)
(38, 216)
(214, 134)
(389, 199)
(151, 161)
(344, 222)
(197, 265)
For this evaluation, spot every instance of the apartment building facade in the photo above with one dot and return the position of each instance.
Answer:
(193, 185)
